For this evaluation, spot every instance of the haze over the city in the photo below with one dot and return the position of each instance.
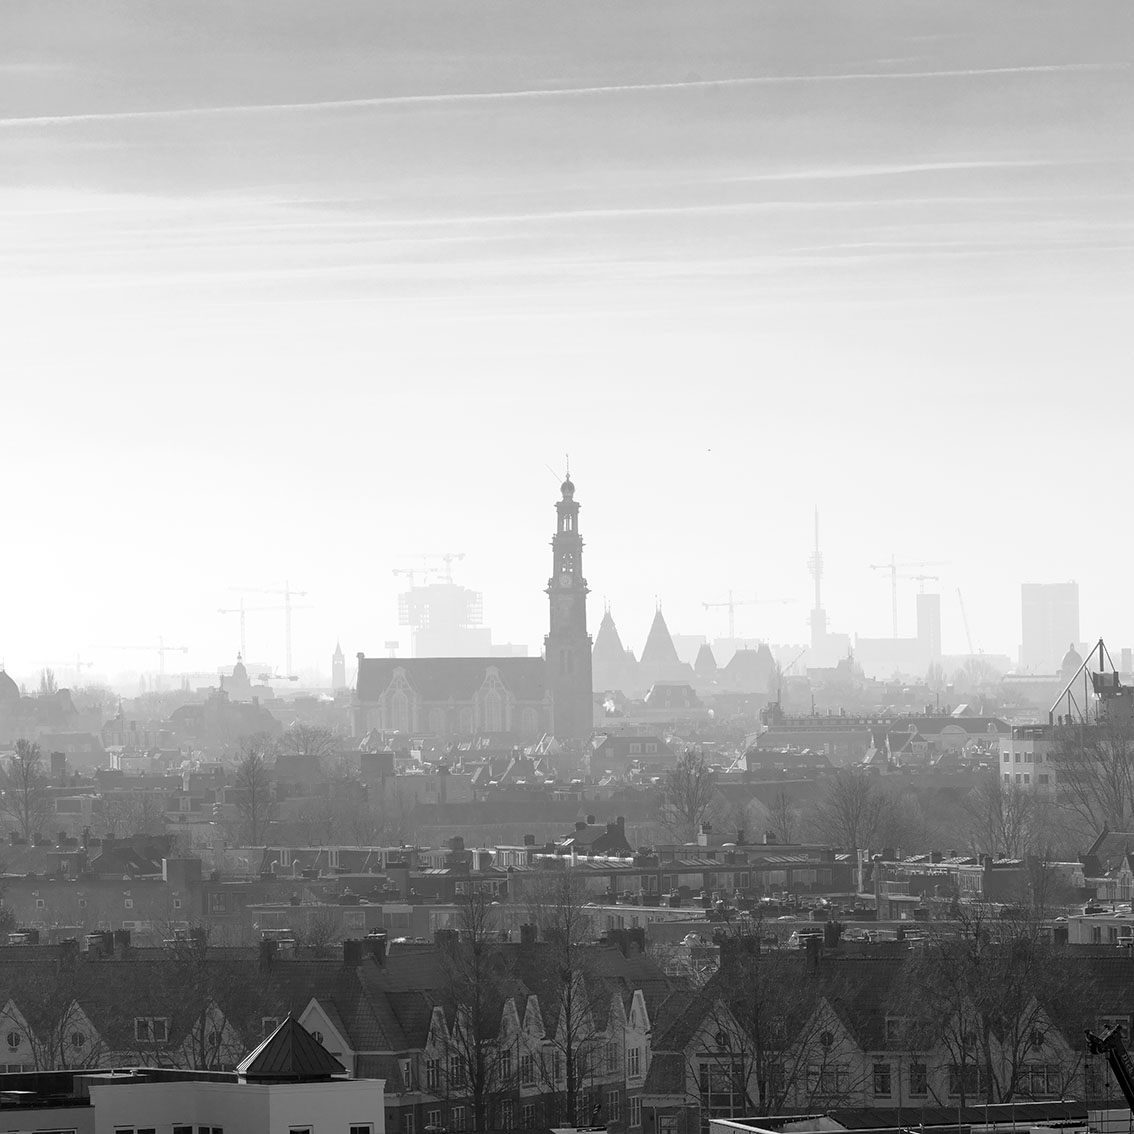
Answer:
(296, 292)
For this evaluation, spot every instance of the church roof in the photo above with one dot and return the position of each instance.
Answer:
(9, 690)
(291, 1052)
(659, 651)
(442, 679)
(706, 663)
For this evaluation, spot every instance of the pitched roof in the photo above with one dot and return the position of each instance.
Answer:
(291, 1052)
(439, 679)
(659, 652)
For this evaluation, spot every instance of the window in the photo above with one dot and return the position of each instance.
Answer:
(182, 1130)
(636, 1110)
(964, 1080)
(613, 1106)
(611, 1058)
(151, 1029)
(433, 1119)
(722, 1088)
(527, 1069)
(457, 1118)
(316, 1035)
(40, 904)
(299, 1130)
(882, 1080)
(456, 1071)
(828, 1079)
(77, 1040)
(177, 903)
(128, 903)
(507, 1116)
(407, 1122)
(433, 1075)
(13, 1040)
(528, 1116)
(268, 1024)
(506, 1064)
(634, 1062)
(1041, 1080)
(360, 1128)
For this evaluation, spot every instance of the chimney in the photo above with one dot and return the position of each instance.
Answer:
(703, 837)
(267, 954)
(529, 934)
(814, 946)
(121, 943)
(529, 840)
(375, 944)
(769, 838)
(590, 820)
(352, 953)
(621, 821)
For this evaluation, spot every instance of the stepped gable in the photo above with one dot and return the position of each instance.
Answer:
(291, 1053)
(706, 664)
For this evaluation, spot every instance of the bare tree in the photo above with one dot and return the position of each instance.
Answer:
(48, 686)
(784, 816)
(1095, 765)
(309, 742)
(26, 797)
(986, 994)
(253, 783)
(557, 907)
(133, 813)
(1002, 816)
(774, 1043)
(475, 985)
(851, 810)
(687, 792)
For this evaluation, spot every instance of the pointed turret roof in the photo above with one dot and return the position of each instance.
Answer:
(706, 663)
(659, 651)
(612, 665)
(292, 1054)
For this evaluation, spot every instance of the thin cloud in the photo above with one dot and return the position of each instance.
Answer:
(545, 93)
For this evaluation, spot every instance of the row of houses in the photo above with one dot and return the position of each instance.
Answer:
(613, 1039)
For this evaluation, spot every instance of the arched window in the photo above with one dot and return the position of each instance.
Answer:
(399, 712)
(493, 712)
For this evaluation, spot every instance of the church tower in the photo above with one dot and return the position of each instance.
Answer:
(567, 646)
(338, 669)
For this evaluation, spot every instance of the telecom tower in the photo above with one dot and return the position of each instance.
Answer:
(818, 614)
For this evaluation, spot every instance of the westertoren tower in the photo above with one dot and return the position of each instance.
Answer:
(567, 646)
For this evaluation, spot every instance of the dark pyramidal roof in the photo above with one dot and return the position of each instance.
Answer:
(290, 1053)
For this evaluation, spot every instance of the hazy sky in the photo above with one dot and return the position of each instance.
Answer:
(296, 290)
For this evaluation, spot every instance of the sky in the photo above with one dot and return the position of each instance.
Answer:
(295, 292)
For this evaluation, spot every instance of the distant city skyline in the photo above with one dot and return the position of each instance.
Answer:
(305, 297)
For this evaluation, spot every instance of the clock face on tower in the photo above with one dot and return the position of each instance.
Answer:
(565, 578)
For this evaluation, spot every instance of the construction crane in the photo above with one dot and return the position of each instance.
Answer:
(161, 649)
(1110, 1044)
(288, 595)
(76, 664)
(444, 573)
(242, 610)
(732, 603)
(965, 620)
(893, 567)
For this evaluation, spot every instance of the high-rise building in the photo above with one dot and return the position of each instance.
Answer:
(567, 646)
(929, 625)
(1049, 619)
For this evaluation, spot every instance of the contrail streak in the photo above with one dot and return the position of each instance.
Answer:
(544, 93)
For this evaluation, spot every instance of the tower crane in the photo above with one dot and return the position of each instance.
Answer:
(444, 572)
(161, 649)
(288, 594)
(732, 603)
(965, 620)
(893, 567)
(242, 610)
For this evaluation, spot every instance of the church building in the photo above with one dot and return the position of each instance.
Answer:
(520, 698)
